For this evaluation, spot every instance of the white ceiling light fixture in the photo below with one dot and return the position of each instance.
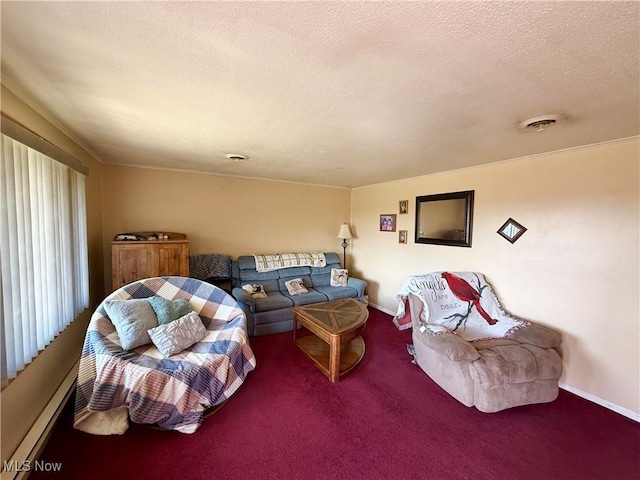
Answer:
(539, 124)
(236, 157)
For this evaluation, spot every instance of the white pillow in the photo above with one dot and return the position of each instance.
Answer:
(255, 290)
(295, 286)
(339, 277)
(172, 338)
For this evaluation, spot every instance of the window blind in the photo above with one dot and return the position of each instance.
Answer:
(43, 251)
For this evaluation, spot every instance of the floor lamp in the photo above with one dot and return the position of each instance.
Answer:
(345, 234)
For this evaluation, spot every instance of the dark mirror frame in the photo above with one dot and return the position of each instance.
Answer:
(467, 196)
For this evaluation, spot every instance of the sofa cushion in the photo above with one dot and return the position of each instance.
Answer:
(274, 301)
(251, 276)
(325, 270)
(293, 272)
(246, 262)
(312, 296)
(333, 293)
(272, 285)
(332, 258)
(321, 279)
(322, 276)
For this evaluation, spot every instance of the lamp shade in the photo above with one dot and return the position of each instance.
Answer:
(345, 231)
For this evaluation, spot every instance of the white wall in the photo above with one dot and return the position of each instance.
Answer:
(576, 269)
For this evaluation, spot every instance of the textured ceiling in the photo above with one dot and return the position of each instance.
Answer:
(332, 93)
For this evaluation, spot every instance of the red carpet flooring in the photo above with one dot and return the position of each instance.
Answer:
(387, 420)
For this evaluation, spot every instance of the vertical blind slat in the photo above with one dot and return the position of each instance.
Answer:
(43, 256)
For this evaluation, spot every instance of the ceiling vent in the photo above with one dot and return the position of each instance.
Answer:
(539, 124)
(236, 157)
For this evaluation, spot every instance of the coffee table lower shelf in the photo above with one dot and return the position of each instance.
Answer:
(351, 353)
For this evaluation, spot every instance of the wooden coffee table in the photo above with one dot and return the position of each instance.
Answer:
(336, 346)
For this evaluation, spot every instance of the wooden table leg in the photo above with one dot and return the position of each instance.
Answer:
(334, 359)
(295, 328)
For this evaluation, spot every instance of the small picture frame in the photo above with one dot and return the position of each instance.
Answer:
(402, 236)
(388, 222)
(403, 207)
(511, 230)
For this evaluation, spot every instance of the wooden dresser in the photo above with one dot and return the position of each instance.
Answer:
(133, 260)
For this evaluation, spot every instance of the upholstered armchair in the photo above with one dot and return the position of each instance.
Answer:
(472, 348)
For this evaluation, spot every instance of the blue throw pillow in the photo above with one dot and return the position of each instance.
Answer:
(132, 318)
(169, 310)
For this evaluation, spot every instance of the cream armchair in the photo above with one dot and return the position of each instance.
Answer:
(477, 352)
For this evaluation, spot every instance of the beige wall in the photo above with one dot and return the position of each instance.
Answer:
(229, 215)
(22, 401)
(575, 269)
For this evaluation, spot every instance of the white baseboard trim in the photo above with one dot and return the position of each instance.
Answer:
(576, 391)
(601, 401)
(25, 456)
(382, 309)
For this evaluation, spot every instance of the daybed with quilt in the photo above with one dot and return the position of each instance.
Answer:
(169, 390)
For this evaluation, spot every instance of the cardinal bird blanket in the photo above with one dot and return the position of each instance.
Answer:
(461, 302)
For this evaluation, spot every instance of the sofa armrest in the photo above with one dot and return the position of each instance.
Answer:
(243, 297)
(448, 345)
(537, 335)
(358, 284)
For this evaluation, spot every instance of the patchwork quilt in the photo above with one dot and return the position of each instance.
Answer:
(266, 263)
(172, 392)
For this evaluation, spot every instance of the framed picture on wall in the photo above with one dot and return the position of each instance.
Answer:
(402, 236)
(388, 222)
(404, 206)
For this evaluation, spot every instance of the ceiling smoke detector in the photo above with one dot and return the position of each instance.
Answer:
(540, 123)
(236, 157)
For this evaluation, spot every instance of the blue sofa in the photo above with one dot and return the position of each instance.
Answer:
(273, 314)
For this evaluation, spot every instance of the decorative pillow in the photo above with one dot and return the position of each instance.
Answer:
(169, 310)
(175, 336)
(339, 277)
(132, 318)
(295, 286)
(255, 290)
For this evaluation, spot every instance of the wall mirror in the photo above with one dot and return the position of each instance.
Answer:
(445, 219)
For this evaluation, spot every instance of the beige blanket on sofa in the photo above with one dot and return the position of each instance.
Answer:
(266, 263)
